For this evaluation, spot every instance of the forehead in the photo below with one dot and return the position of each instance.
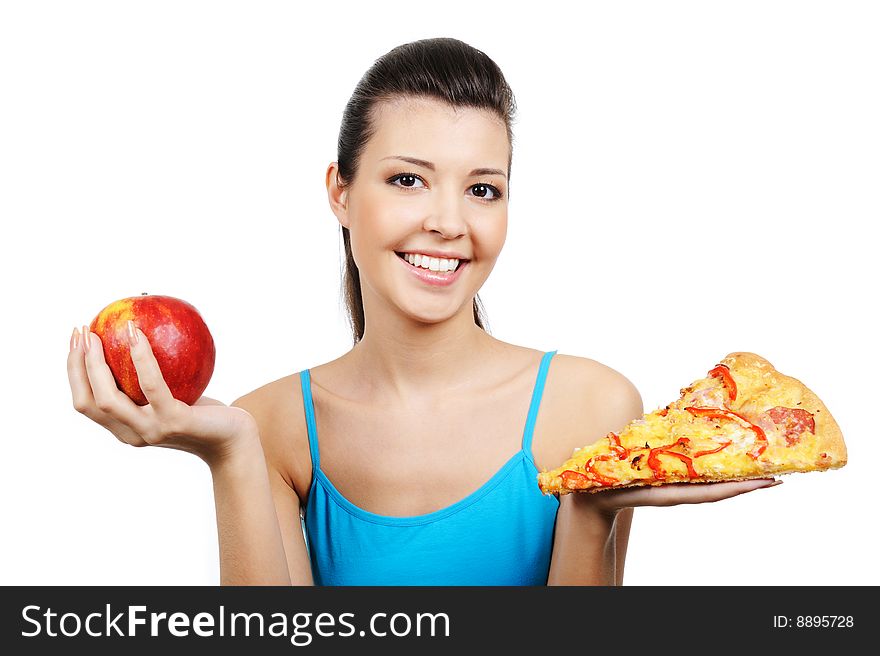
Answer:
(433, 130)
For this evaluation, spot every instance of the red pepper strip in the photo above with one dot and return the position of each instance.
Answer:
(572, 480)
(621, 451)
(719, 413)
(663, 412)
(597, 476)
(687, 461)
(706, 453)
(654, 463)
(722, 371)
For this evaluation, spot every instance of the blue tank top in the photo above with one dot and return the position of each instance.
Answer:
(500, 534)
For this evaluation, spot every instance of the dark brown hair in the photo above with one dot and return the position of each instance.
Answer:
(445, 69)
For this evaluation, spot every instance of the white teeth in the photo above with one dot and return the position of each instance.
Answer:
(432, 263)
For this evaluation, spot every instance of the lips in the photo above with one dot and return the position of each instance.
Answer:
(434, 278)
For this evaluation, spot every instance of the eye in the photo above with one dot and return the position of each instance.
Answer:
(407, 180)
(481, 190)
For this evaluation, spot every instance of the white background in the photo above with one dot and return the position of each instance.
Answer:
(689, 179)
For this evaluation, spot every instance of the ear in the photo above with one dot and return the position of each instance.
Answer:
(337, 196)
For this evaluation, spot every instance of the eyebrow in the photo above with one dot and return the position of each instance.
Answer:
(430, 165)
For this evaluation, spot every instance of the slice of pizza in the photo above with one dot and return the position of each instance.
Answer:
(743, 420)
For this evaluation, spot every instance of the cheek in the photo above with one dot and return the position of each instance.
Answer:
(383, 221)
(490, 237)
(369, 226)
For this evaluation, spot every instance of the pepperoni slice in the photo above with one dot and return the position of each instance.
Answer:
(793, 422)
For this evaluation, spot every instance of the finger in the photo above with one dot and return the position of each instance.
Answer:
(83, 398)
(109, 399)
(727, 489)
(678, 493)
(150, 377)
(80, 388)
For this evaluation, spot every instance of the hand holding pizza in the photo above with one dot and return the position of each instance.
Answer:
(674, 494)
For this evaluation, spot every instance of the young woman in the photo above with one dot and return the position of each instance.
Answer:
(412, 458)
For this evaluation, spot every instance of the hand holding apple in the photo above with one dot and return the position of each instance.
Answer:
(206, 428)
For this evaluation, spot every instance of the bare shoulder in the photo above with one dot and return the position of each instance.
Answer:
(278, 410)
(267, 401)
(593, 385)
(587, 399)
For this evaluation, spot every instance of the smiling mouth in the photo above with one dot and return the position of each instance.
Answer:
(457, 267)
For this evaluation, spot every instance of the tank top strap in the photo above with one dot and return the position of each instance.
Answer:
(537, 393)
(306, 384)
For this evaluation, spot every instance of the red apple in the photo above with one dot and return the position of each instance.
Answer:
(180, 340)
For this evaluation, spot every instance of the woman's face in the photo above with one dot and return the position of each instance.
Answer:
(431, 180)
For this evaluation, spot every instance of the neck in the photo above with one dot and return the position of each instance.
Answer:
(408, 363)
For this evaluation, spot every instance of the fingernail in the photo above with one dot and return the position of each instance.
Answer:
(74, 339)
(774, 484)
(86, 339)
(132, 334)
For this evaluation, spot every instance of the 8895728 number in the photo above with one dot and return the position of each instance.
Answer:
(823, 621)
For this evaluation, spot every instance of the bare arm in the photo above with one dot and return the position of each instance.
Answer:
(621, 538)
(584, 546)
(279, 505)
(247, 488)
(591, 539)
(251, 549)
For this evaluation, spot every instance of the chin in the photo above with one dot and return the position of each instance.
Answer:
(438, 315)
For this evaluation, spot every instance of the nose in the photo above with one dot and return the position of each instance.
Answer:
(447, 215)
